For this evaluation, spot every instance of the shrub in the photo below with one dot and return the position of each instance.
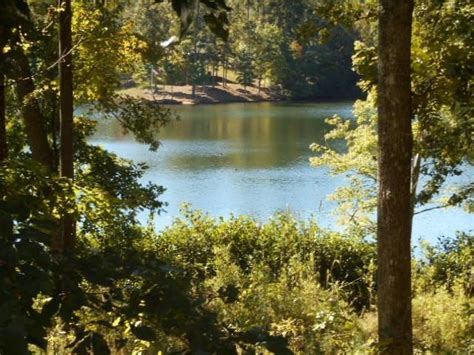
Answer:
(190, 244)
(443, 321)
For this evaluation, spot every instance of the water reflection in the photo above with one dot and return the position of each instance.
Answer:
(251, 159)
(241, 136)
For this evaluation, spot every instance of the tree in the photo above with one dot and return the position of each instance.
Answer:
(395, 153)
(244, 67)
(34, 200)
(441, 65)
(267, 45)
(3, 122)
(32, 116)
(66, 101)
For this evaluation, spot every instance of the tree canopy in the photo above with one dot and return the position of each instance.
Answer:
(80, 273)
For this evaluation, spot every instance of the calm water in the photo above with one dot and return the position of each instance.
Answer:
(252, 159)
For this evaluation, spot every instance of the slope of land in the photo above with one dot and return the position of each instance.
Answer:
(174, 94)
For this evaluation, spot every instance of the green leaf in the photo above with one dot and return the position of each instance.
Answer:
(144, 333)
(50, 308)
(99, 345)
(229, 293)
(37, 336)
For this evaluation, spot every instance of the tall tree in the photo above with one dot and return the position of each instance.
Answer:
(66, 111)
(31, 111)
(15, 19)
(3, 128)
(3, 133)
(395, 153)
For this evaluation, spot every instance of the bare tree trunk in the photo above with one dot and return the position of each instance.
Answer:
(394, 200)
(415, 175)
(225, 72)
(66, 102)
(213, 75)
(32, 116)
(3, 121)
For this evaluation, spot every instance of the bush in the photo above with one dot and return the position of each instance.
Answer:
(190, 244)
(443, 321)
(449, 262)
(443, 312)
(287, 277)
(293, 305)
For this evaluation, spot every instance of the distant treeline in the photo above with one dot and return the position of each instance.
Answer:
(281, 45)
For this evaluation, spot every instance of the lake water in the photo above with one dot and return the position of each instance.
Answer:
(252, 159)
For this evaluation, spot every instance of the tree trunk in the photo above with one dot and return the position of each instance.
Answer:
(66, 112)
(394, 200)
(32, 116)
(224, 72)
(415, 176)
(3, 121)
(248, 10)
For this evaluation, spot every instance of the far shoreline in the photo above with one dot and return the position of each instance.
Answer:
(177, 95)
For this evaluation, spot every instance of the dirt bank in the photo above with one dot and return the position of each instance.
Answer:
(208, 95)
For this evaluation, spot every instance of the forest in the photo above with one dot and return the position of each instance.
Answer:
(87, 268)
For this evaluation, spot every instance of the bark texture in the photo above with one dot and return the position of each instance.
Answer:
(394, 201)
(3, 122)
(32, 116)
(66, 111)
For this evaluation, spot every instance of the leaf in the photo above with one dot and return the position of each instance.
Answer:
(18, 207)
(37, 336)
(117, 322)
(99, 345)
(184, 9)
(216, 24)
(50, 308)
(229, 293)
(80, 345)
(143, 332)
(72, 302)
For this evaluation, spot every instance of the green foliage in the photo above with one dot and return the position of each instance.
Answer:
(215, 16)
(444, 289)
(105, 48)
(352, 150)
(291, 304)
(442, 123)
(141, 117)
(333, 257)
(205, 285)
(244, 67)
(443, 321)
(26, 263)
(449, 263)
(114, 289)
(285, 46)
(287, 277)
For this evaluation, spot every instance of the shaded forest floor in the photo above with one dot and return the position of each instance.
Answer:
(182, 94)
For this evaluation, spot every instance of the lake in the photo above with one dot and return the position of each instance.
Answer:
(252, 158)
